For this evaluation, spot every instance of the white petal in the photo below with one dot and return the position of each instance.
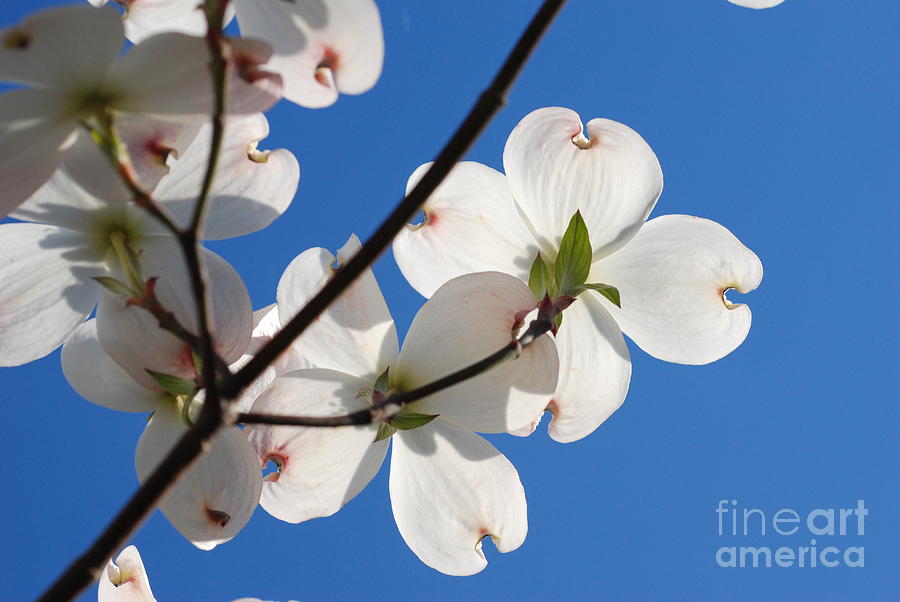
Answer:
(449, 489)
(757, 3)
(356, 333)
(672, 278)
(149, 17)
(594, 370)
(251, 188)
(468, 319)
(167, 74)
(265, 324)
(132, 337)
(321, 468)
(47, 289)
(33, 134)
(615, 181)
(86, 164)
(125, 580)
(62, 47)
(63, 202)
(320, 48)
(471, 225)
(150, 142)
(252, 89)
(100, 380)
(217, 496)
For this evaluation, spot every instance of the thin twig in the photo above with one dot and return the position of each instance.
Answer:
(119, 158)
(393, 403)
(490, 101)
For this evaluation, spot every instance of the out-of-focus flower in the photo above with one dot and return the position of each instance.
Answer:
(757, 3)
(125, 580)
(449, 487)
(47, 267)
(144, 18)
(671, 272)
(321, 48)
(67, 57)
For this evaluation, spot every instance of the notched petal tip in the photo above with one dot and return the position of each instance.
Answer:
(327, 67)
(582, 141)
(218, 517)
(723, 295)
(256, 155)
(16, 39)
(429, 218)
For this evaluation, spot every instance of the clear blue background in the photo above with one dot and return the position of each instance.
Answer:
(780, 124)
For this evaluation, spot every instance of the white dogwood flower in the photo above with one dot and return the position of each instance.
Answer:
(449, 487)
(47, 266)
(144, 18)
(757, 3)
(671, 272)
(213, 501)
(125, 580)
(68, 59)
(320, 47)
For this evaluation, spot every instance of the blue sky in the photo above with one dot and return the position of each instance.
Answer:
(777, 124)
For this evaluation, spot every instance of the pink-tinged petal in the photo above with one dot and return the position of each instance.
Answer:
(265, 324)
(613, 177)
(215, 499)
(672, 278)
(471, 225)
(356, 333)
(145, 18)
(466, 320)
(449, 490)
(150, 143)
(100, 380)
(125, 580)
(64, 48)
(757, 3)
(594, 370)
(320, 469)
(252, 88)
(252, 187)
(33, 134)
(131, 335)
(320, 49)
(168, 74)
(47, 289)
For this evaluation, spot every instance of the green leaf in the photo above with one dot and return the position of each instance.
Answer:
(404, 421)
(198, 362)
(573, 263)
(381, 384)
(540, 280)
(174, 385)
(384, 431)
(115, 286)
(608, 291)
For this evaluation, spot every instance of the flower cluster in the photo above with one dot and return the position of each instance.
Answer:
(532, 276)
